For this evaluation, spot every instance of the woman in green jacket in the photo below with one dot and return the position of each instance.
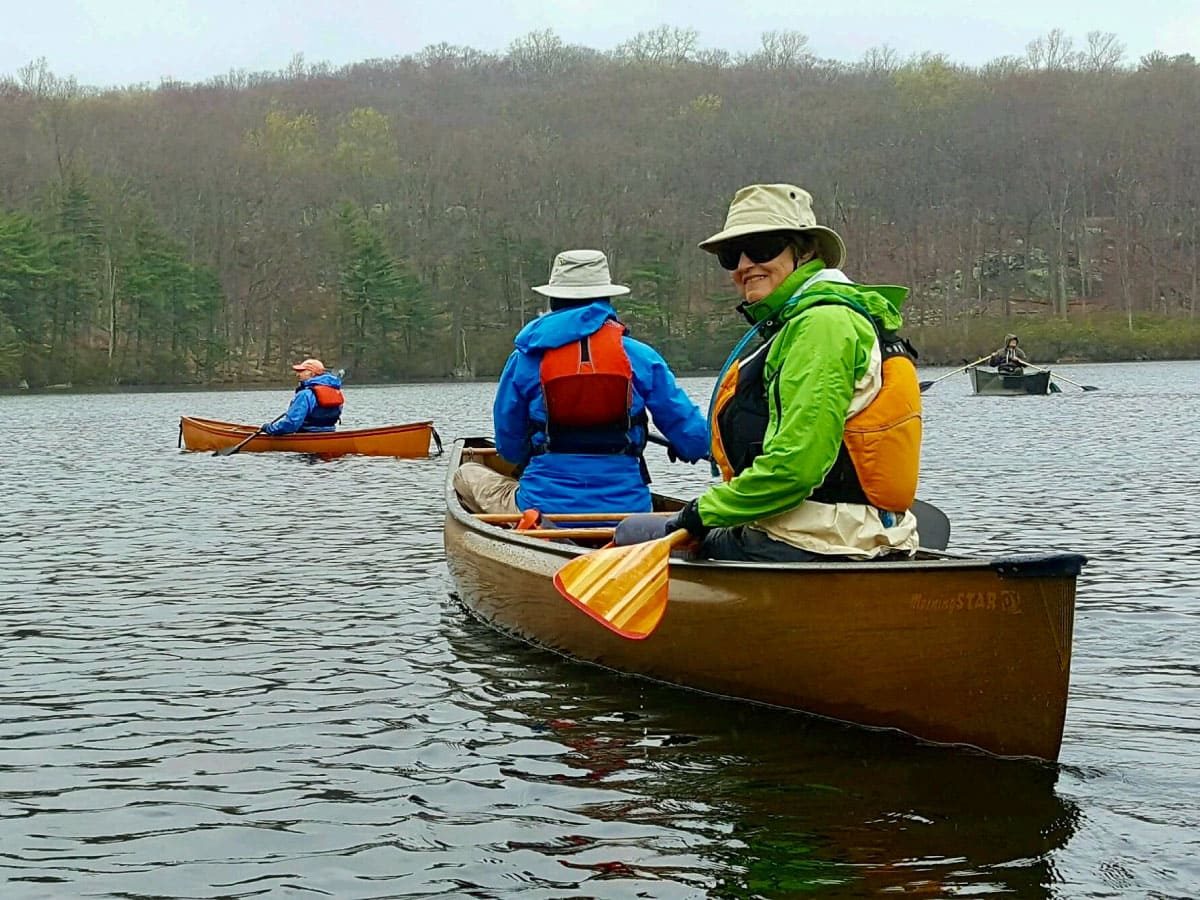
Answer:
(816, 417)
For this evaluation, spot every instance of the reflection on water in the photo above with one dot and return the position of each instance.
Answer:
(246, 676)
(784, 803)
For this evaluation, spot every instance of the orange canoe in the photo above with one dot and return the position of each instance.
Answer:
(407, 441)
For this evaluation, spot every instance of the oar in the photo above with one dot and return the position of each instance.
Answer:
(926, 385)
(229, 451)
(622, 588)
(1086, 387)
(625, 588)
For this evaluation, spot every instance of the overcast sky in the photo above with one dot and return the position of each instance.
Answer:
(120, 42)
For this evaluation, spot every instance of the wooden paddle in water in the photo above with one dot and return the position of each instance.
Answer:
(926, 385)
(229, 451)
(622, 588)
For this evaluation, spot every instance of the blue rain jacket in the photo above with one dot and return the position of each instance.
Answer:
(302, 407)
(579, 482)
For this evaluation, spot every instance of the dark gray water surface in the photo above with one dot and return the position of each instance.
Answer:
(246, 677)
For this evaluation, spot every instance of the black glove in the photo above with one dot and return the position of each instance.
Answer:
(674, 456)
(689, 518)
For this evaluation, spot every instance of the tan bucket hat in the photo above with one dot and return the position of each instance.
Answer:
(777, 207)
(580, 275)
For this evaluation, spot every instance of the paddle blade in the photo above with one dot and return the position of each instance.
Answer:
(622, 588)
(925, 385)
(229, 451)
(1089, 387)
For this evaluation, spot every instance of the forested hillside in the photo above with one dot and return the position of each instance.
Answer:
(390, 216)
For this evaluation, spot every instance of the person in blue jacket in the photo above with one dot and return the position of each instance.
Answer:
(571, 407)
(318, 402)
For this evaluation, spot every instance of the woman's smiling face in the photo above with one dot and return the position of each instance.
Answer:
(757, 280)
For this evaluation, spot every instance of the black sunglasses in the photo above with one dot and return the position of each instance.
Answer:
(760, 248)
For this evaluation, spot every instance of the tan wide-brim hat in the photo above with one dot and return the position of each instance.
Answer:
(580, 275)
(777, 207)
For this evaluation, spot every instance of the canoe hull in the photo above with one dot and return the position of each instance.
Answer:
(949, 650)
(407, 441)
(988, 383)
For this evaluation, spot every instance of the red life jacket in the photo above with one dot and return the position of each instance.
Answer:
(327, 394)
(328, 410)
(587, 386)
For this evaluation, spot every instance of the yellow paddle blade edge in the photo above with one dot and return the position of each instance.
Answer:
(623, 588)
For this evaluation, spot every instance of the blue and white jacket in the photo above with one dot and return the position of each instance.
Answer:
(578, 482)
(305, 414)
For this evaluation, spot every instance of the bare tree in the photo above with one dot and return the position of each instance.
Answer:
(880, 61)
(1052, 51)
(663, 45)
(783, 50)
(1103, 52)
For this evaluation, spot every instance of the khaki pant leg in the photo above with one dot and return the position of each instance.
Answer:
(485, 491)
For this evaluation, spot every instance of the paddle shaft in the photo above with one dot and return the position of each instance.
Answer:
(238, 446)
(500, 518)
(926, 385)
(1086, 387)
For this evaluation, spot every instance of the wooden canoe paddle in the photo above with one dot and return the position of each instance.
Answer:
(625, 589)
(229, 451)
(622, 588)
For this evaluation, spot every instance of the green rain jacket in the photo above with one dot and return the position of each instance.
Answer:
(822, 352)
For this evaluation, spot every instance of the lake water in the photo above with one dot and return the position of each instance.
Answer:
(247, 677)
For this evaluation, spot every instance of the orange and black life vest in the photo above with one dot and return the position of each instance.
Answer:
(879, 457)
(328, 410)
(587, 386)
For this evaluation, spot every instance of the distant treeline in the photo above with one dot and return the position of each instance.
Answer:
(390, 216)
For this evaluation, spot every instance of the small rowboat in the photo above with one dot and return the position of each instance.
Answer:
(989, 383)
(407, 441)
(951, 649)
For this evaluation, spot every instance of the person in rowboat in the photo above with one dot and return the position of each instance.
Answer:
(573, 403)
(317, 404)
(816, 417)
(1009, 359)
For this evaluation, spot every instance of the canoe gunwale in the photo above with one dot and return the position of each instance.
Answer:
(237, 430)
(1050, 564)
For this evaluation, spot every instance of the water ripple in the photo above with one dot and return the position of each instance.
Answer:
(246, 677)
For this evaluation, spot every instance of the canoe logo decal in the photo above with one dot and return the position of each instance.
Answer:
(970, 601)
